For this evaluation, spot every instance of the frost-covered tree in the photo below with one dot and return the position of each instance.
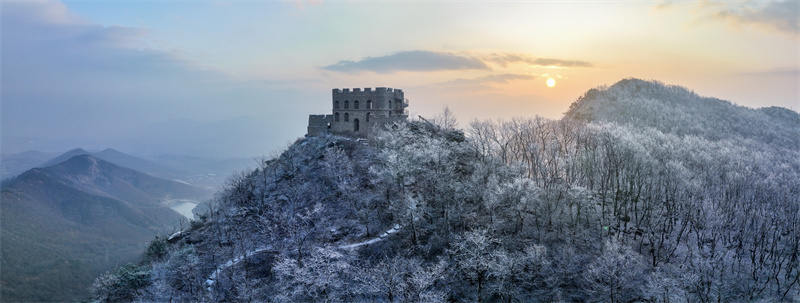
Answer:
(617, 275)
(642, 192)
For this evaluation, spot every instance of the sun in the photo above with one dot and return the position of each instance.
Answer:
(551, 82)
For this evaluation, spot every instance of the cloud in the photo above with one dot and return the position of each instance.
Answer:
(301, 4)
(422, 61)
(504, 59)
(781, 16)
(561, 63)
(664, 4)
(485, 83)
(45, 44)
(66, 80)
(490, 79)
(776, 72)
(777, 17)
(418, 60)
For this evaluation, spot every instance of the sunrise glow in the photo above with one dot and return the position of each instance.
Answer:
(381, 151)
(155, 63)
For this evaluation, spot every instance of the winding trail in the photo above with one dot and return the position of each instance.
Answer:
(212, 279)
(393, 230)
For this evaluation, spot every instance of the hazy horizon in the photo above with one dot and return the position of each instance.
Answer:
(238, 79)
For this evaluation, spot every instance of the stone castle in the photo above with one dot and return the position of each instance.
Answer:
(357, 112)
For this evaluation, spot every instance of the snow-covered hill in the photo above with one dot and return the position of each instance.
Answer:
(643, 192)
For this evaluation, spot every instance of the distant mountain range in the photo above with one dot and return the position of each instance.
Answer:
(202, 172)
(64, 224)
(240, 137)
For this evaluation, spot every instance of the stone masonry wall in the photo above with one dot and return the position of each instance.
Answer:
(376, 106)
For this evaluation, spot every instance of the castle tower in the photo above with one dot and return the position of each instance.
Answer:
(356, 112)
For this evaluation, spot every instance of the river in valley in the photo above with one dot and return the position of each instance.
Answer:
(184, 207)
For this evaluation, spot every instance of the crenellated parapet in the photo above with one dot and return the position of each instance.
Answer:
(379, 98)
(367, 90)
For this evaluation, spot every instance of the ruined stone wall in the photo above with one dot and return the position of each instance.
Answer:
(319, 124)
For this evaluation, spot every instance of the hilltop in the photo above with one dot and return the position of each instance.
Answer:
(677, 110)
(628, 198)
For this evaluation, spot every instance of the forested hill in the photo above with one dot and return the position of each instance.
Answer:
(100, 177)
(612, 203)
(61, 226)
(678, 110)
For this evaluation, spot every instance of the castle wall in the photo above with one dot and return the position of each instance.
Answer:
(380, 97)
(387, 106)
(319, 124)
(386, 102)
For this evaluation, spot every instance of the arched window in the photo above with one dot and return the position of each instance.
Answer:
(346, 117)
(335, 104)
(369, 105)
(336, 117)
(355, 104)
(368, 114)
(355, 125)
(346, 104)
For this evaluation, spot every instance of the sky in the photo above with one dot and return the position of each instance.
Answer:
(239, 78)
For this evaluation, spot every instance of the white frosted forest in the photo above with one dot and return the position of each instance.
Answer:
(642, 192)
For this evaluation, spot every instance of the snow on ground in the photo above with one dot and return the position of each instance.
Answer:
(393, 230)
(212, 279)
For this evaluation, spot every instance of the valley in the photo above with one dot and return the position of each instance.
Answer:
(76, 216)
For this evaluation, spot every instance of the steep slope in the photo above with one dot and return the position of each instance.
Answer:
(63, 225)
